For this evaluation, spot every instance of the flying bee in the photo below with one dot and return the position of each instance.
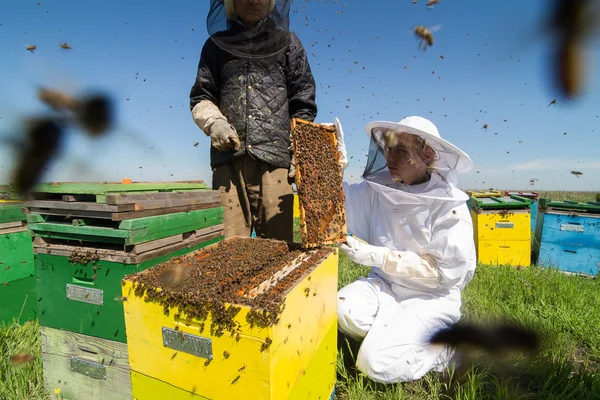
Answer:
(573, 21)
(494, 339)
(65, 45)
(432, 3)
(94, 113)
(22, 358)
(577, 173)
(45, 135)
(425, 35)
(31, 47)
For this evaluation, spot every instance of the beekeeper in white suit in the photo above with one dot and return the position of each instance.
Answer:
(409, 221)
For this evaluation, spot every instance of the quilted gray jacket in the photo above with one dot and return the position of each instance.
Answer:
(258, 96)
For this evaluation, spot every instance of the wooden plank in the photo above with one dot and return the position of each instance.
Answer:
(16, 224)
(105, 187)
(121, 256)
(69, 213)
(122, 216)
(156, 244)
(58, 349)
(77, 205)
(51, 227)
(208, 196)
(144, 247)
(162, 211)
(163, 222)
(13, 230)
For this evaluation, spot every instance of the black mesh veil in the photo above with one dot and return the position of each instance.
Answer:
(268, 35)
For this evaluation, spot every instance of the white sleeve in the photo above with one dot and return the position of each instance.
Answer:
(358, 209)
(445, 261)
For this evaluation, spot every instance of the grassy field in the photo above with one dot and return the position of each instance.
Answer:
(564, 309)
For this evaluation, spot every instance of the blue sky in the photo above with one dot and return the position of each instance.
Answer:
(145, 53)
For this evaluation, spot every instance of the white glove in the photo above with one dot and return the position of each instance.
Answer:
(401, 264)
(292, 171)
(341, 145)
(363, 253)
(340, 142)
(223, 136)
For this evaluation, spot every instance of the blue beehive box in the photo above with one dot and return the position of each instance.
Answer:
(567, 236)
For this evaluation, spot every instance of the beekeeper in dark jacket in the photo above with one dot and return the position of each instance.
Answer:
(253, 77)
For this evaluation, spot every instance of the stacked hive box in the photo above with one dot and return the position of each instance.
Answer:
(568, 236)
(185, 341)
(88, 236)
(482, 194)
(17, 275)
(502, 230)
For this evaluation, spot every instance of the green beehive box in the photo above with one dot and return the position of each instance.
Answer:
(17, 280)
(18, 301)
(85, 297)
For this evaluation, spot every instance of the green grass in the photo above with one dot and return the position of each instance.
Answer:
(563, 308)
(24, 381)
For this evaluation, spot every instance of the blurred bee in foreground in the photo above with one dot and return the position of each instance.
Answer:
(425, 35)
(22, 358)
(495, 339)
(45, 135)
(573, 21)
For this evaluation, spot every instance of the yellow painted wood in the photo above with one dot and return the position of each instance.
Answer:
(489, 225)
(508, 252)
(58, 347)
(484, 193)
(147, 388)
(247, 373)
(316, 381)
(296, 206)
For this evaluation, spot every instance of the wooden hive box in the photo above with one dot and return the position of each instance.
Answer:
(568, 236)
(173, 354)
(77, 284)
(533, 199)
(319, 183)
(17, 280)
(501, 229)
(84, 367)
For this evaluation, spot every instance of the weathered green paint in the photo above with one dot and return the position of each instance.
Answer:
(16, 296)
(11, 212)
(103, 188)
(133, 231)
(16, 256)
(170, 221)
(105, 321)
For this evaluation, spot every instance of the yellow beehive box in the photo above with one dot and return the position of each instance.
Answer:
(502, 236)
(172, 355)
(484, 193)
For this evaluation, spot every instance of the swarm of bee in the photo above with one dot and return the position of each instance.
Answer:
(45, 134)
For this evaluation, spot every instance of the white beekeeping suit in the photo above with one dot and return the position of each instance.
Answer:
(420, 245)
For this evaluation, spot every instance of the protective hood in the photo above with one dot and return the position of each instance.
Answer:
(448, 163)
(268, 36)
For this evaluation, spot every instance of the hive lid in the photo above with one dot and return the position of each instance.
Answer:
(592, 207)
(500, 203)
(484, 193)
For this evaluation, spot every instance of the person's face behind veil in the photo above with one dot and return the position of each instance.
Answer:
(251, 12)
(408, 160)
